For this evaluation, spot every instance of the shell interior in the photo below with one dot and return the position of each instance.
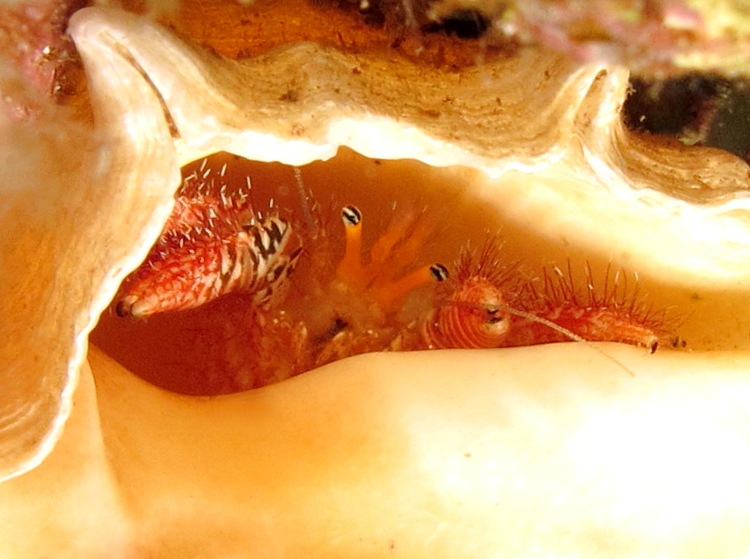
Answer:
(533, 137)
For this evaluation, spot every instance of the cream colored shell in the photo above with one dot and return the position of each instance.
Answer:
(545, 133)
(542, 134)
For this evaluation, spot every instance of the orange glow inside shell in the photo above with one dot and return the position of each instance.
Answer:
(354, 288)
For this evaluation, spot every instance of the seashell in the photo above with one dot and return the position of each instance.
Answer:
(533, 140)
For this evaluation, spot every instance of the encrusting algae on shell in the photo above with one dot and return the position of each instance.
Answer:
(531, 138)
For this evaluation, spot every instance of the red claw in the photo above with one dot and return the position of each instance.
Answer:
(212, 245)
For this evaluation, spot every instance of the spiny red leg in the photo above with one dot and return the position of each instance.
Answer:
(487, 306)
(591, 324)
(612, 312)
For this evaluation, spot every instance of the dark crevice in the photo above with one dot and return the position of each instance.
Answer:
(696, 109)
(464, 24)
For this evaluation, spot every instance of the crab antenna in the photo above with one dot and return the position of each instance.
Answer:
(567, 333)
(304, 197)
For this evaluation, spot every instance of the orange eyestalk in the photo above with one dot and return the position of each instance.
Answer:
(392, 252)
(398, 289)
(351, 266)
(368, 294)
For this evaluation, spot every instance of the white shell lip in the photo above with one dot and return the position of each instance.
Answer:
(63, 259)
(160, 104)
(537, 119)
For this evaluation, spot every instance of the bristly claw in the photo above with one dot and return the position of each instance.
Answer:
(212, 245)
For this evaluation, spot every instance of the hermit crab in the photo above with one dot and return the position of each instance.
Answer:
(547, 450)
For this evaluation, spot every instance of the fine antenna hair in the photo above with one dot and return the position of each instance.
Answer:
(312, 224)
(544, 322)
(565, 332)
